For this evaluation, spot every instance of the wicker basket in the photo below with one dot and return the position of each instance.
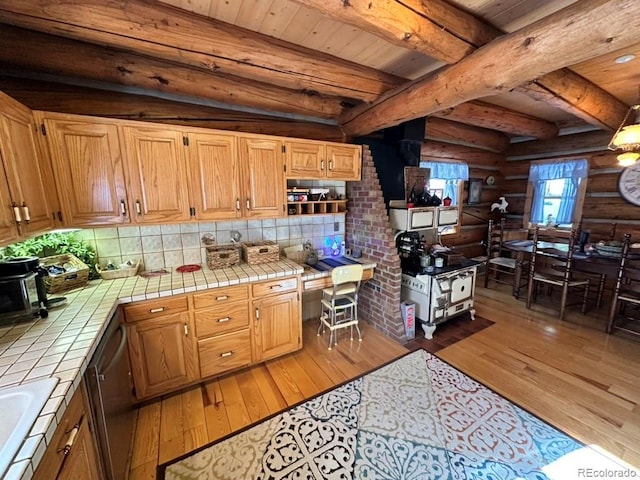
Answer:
(119, 273)
(221, 256)
(78, 277)
(255, 253)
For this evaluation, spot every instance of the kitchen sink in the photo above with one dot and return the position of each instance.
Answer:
(20, 406)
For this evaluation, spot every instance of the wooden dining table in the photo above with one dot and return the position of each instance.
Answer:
(588, 262)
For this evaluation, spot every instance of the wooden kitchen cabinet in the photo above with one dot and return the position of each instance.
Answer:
(263, 182)
(156, 160)
(88, 166)
(221, 317)
(215, 187)
(277, 318)
(306, 159)
(161, 346)
(81, 459)
(25, 188)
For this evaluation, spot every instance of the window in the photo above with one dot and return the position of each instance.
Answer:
(446, 179)
(556, 191)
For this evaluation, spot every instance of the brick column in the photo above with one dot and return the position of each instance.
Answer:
(367, 227)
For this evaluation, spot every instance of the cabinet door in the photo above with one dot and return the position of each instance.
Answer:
(159, 176)
(345, 162)
(81, 460)
(8, 226)
(263, 177)
(22, 164)
(215, 176)
(88, 167)
(277, 325)
(304, 160)
(162, 354)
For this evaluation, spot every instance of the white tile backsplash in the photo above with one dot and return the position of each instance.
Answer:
(173, 245)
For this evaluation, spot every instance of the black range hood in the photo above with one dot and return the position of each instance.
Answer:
(393, 149)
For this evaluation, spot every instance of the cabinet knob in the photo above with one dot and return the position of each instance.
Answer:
(123, 207)
(321, 164)
(237, 204)
(248, 204)
(330, 165)
(138, 207)
(257, 314)
(186, 330)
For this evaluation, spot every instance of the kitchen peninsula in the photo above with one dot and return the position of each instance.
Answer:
(62, 344)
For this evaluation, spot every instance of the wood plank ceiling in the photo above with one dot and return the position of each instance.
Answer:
(538, 66)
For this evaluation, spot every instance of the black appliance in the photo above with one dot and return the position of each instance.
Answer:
(409, 249)
(110, 387)
(24, 275)
(18, 298)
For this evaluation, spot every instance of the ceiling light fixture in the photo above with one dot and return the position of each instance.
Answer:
(627, 138)
(625, 58)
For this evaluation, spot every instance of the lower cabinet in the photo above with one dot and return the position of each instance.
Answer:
(277, 318)
(177, 341)
(161, 346)
(72, 452)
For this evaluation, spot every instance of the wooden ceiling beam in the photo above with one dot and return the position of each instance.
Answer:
(163, 31)
(564, 145)
(56, 97)
(433, 28)
(448, 34)
(485, 115)
(579, 32)
(442, 130)
(30, 50)
(568, 91)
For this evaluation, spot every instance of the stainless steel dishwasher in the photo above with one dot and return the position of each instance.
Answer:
(110, 386)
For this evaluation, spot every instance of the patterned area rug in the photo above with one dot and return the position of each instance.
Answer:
(415, 418)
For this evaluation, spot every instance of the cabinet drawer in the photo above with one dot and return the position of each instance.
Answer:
(221, 319)
(224, 352)
(274, 286)
(220, 296)
(155, 308)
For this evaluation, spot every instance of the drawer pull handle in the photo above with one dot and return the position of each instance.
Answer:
(222, 297)
(226, 354)
(73, 433)
(275, 286)
(257, 314)
(225, 319)
(156, 310)
(186, 330)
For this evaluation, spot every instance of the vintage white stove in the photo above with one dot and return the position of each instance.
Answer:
(440, 295)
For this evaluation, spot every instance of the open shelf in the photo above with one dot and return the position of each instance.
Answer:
(319, 207)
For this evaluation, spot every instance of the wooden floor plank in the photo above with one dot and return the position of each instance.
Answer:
(215, 412)
(234, 403)
(171, 428)
(254, 400)
(195, 426)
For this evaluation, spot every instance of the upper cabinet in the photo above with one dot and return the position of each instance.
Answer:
(158, 174)
(25, 190)
(263, 182)
(306, 159)
(88, 165)
(113, 172)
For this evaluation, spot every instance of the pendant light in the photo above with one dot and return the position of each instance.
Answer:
(627, 138)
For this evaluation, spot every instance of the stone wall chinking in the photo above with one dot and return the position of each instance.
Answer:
(367, 228)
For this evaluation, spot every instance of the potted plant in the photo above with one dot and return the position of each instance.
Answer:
(55, 244)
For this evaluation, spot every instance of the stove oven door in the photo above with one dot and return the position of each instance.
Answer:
(461, 287)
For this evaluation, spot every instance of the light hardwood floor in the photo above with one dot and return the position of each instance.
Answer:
(569, 373)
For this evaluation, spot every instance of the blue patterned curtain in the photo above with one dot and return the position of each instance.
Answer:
(574, 171)
(452, 173)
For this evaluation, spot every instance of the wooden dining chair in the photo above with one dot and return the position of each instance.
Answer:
(501, 264)
(625, 303)
(551, 264)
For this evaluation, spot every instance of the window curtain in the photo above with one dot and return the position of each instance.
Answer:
(574, 171)
(452, 173)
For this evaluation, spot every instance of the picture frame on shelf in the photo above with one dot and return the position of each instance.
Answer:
(475, 191)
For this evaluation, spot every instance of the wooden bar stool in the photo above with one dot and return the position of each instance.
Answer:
(340, 302)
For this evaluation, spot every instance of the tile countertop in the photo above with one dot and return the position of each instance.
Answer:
(62, 344)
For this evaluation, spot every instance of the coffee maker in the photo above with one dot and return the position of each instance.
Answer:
(24, 293)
